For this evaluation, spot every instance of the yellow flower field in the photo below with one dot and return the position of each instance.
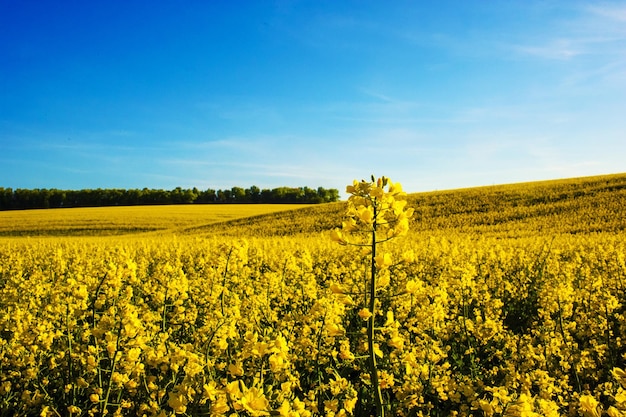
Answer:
(495, 301)
(104, 221)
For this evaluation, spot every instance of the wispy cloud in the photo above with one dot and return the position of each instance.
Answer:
(558, 49)
(609, 11)
(591, 30)
(570, 31)
(375, 107)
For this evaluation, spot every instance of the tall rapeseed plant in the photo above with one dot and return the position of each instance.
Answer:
(376, 213)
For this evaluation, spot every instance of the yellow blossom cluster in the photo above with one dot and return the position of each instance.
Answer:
(379, 206)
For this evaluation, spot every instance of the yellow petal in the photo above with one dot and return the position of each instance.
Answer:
(383, 260)
(365, 314)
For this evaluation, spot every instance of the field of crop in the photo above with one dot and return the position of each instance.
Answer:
(497, 301)
(104, 221)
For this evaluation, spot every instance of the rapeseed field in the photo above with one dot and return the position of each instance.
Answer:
(494, 301)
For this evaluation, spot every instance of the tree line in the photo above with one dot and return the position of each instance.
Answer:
(53, 198)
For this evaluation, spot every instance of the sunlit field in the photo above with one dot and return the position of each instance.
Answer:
(126, 220)
(492, 301)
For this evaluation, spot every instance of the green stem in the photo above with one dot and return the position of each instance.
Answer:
(467, 335)
(164, 313)
(70, 368)
(224, 280)
(378, 397)
(320, 400)
(569, 350)
(105, 403)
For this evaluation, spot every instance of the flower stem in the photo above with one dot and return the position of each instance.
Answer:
(378, 397)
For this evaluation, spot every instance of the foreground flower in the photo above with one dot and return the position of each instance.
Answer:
(365, 314)
(254, 402)
(589, 406)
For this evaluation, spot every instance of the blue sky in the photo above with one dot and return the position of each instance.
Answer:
(215, 94)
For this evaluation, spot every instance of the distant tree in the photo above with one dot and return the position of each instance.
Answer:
(6, 198)
(176, 196)
(328, 195)
(23, 198)
(57, 198)
(190, 196)
(223, 196)
(161, 197)
(238, 195)
(132, 197)
(266, 196)
(311, 196)
(206, 196)
(278, 195)
(253, 194)
(43, 198)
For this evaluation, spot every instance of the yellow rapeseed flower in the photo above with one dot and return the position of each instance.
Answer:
(383, 260)
(589, 406)
(254, 402)
(365, 314)
(177, 401)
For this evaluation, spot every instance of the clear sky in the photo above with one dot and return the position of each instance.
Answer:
(216, 94)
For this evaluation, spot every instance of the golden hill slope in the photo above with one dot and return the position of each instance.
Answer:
(575, 205)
